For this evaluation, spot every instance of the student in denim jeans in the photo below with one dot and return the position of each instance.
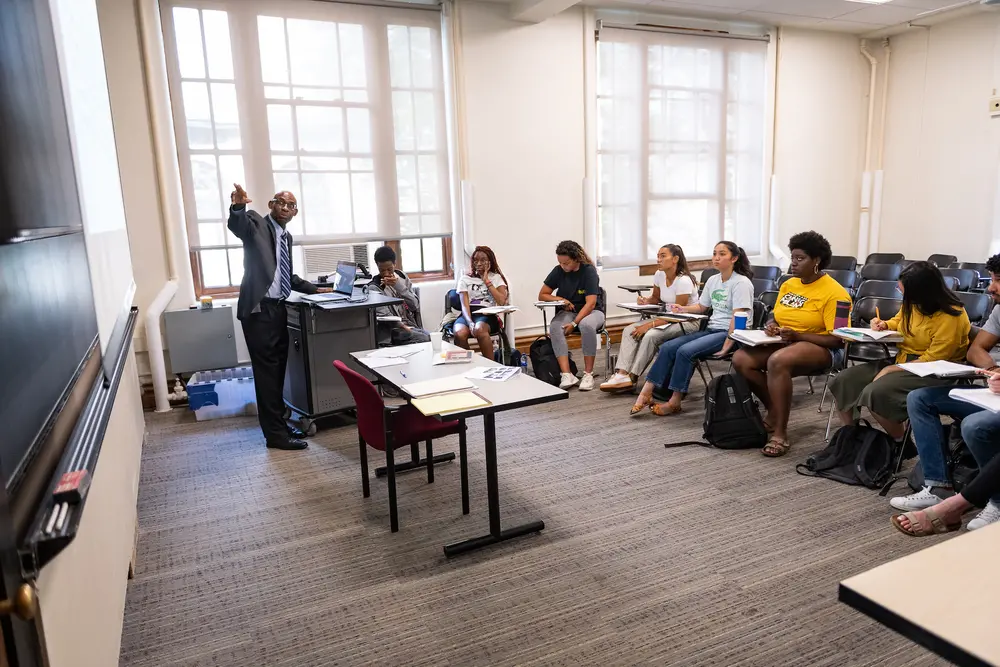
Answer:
(726, 293)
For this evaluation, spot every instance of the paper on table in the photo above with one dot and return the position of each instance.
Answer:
(319, 298)
(380, 362)
(402, 351)
(548, 304)
(498, 310)
(389, 318)
(937, 368)
(984, 398)
(754, 337)
(861, 332)
(439, 386)
(436, 405)
(452, 357)
(636, 306)
(494, 373)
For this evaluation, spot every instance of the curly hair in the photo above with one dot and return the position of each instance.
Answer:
(490, 257)
(993, 265)
(574, 251)
(814, 245)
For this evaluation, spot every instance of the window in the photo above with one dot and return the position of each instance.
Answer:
(343, 105)
(680, 143)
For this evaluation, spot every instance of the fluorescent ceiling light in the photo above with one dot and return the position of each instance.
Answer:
(871, 2)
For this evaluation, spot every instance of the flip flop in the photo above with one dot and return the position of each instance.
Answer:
(938, 526)
(775, 447)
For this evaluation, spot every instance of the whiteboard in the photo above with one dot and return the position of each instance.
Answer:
(95, 159)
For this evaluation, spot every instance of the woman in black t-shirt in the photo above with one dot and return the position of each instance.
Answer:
(575, 285)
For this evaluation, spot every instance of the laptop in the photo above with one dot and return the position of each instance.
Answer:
(343, 284)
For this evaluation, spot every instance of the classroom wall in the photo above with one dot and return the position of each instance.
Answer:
(942, 151)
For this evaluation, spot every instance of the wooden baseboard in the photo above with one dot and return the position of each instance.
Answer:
(522, 343)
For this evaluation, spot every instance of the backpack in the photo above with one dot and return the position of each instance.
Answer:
(544, 363)
(732, 419)
(857, 454)
(959, 461)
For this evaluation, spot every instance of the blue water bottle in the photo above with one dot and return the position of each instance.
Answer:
(524, 364)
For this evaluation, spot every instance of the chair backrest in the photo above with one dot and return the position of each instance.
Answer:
(843, 263)
(706, 274)
(766, 272)
(906, 262)
(967, 278)
(760, 311)
(602, 301)
(881, 271)
(768, 299)
(848, 278)
(368, 404)
(867, 308)
(782, 279)
(942, 260)
(761, 285)
(978, 266)
(887, 289)
(951, 282)
(884, 258)
(977, 306)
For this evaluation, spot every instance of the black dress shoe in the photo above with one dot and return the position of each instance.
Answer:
(291, 443)
(295, 432)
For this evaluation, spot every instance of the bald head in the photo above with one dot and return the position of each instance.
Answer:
(284, 206)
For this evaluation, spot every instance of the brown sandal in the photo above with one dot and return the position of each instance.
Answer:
(938, 526)
(637, 408)
(775, 447)
(661, 411)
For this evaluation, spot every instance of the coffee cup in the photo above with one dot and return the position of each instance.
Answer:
(740, 320)
(436, 338)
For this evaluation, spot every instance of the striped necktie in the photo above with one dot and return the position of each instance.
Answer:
(286, 268)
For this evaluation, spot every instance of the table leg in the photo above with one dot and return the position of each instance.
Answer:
(497, 534)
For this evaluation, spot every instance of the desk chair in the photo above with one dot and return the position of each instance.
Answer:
(761, 285)
(602, 305)
(784, 278)
(769, 299)
(843, 263)
(886, 289)
(984, 275)
(757, 321)
(766, 272)
(968, 279)
(977, 306)
(906, 262)
(883, 258)
(387, 428)
(498, 327)
(881, 272)
(705, 275)
(941, 261)
(848, 278)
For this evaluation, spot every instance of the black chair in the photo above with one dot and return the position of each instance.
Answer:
(967, 278)
(881, 272)
(884, 258)
(766, 272)
(761, 285)
(942, 261)
(769, 299)
(887, 289)
(848, 278)
(984, 275)
(843, 263)
(977, 306)
(783, 279)
(706, 274)
(906, 262)
(951, 282)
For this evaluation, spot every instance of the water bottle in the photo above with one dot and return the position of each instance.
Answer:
(524, 364)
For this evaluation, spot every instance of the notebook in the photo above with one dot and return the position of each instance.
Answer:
(866, 334)
(498, 310)
(754, 337)
(444, 403)
(984, 398)
(941, 369)
(428, 387)
(636, 306)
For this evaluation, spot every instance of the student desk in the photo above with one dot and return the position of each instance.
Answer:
(318, 335)
(520, 391)
(944, 597)
(636, 289)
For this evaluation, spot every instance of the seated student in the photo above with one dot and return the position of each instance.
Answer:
(578, 286)
(927, 513)
(728, 292)
(672, 283)
(482, 286)
(391, 282)
(934, 326)
(925, 407)
(804, 317)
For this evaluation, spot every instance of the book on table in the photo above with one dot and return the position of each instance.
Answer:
(861, 333)
(941, 369)
(754, 337)
(984, 398)
(439, 386)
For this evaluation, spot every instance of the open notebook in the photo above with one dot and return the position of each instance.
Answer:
(866, 334)
(754, 337)
(941, 369)
(984, 398)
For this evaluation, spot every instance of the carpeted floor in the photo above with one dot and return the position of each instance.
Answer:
(650, 556)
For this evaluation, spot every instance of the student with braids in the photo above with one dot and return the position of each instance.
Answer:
(728, 292)
(575, 284)
(483, 285)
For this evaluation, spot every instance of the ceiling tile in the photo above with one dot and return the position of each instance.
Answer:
(924, 4)
(824, 9)
(883, 14)
(716, 5)
(781, 19)
(688, 9)
(838, 25)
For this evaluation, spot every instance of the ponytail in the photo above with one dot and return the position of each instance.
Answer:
(574, 251)
(682, 263)
(742, 263)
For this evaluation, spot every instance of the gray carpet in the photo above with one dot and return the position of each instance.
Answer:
(650, 556)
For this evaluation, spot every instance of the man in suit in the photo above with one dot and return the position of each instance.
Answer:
(267, 281)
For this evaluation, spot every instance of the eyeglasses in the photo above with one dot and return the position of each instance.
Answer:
(290, 205)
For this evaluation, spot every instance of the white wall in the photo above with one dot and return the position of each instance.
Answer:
(821, 110)
(942, 148)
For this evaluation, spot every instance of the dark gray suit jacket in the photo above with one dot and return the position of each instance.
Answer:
(259, 263)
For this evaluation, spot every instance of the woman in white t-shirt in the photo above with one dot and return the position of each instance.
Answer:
(673, 283)
(482, 286)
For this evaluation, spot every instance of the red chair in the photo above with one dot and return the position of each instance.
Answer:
(387, 428)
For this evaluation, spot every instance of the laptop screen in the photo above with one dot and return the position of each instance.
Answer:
(344, 280)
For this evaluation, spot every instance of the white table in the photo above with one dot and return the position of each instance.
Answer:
(518, 392)
(943, 597)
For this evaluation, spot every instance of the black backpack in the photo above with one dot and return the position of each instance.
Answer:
(857, 454)
(732, 419)
(544, 364)
(959, 461)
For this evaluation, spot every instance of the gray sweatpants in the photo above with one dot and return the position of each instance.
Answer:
(588, 332)
(635, 355)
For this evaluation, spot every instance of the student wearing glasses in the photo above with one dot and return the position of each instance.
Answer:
(483, 285)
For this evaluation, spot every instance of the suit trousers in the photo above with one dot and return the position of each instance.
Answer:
(266, 334)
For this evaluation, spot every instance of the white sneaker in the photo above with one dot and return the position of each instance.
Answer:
(618, 382)
(916, 501)
(587, 383)
(568, 380)
(989, 515)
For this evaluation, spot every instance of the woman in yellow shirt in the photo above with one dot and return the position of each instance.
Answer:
(804, 317)
(934, 326)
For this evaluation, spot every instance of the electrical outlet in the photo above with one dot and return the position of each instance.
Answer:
(995, 106)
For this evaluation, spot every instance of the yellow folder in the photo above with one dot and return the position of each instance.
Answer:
(445, 403)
